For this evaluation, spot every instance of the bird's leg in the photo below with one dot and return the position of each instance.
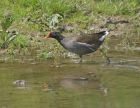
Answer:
(80, 61)
(104, 54)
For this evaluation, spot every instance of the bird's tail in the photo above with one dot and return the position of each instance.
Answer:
(104, 34)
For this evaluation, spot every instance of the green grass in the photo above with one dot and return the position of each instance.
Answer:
(20, 8)
(113, 7)
(38, 15)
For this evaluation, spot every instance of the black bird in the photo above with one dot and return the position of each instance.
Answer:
(81, 45)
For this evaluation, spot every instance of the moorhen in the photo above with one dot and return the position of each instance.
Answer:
(83, 44)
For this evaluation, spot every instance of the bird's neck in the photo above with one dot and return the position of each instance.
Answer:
(59, 38)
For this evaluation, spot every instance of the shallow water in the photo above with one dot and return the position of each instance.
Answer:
(92, 84)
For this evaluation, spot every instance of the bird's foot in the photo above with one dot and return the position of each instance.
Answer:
(78, 61)
(108, 60)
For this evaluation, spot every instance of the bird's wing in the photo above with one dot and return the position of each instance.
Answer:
(88, 39)
(92, 38)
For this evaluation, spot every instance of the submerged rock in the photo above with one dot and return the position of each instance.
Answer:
(46, 87)
(21, 84)
(81, 82)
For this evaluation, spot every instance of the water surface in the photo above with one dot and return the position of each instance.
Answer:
(92, 84)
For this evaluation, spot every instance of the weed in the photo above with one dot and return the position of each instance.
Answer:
(47, 15)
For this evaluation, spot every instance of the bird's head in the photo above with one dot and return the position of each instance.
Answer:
(55, 35)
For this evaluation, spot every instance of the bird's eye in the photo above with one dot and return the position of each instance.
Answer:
(56, 33)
